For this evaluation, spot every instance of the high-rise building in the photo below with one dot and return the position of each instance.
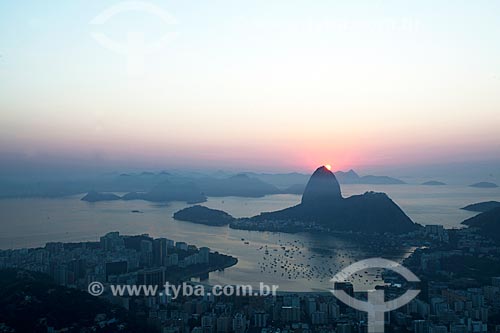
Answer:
(181, 246)
(348, 288)
(239, 323)
(260, 319)
(115, 268)
(152, 276)
(420, 326)
(204, 255)
(112, 241)
(146, 253)
(160, 251)
(344, 328)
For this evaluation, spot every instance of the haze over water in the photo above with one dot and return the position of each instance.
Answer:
(33, 222)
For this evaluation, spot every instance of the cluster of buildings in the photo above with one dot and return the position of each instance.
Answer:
(458, 294)
(114, 259)
(453, 311)
(450, 301)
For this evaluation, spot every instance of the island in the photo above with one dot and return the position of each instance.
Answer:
(165, 191)
(484, 185)
(94, 196)
(433, 183)
(204, 215)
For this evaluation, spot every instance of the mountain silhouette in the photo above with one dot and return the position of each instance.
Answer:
(167, 191)
(488, 223)
(322, 203)
(322, 188)
(240, 185)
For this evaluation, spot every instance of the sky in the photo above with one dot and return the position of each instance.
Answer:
(254, 85)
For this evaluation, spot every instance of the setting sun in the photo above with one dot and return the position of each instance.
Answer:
(328, 166)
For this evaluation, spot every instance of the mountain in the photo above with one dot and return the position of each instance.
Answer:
(170, 191)
(94, 196)
(323, 204)
(295, 189)
(379, 180)
(322, 188)
(240, 185)
(484, 185)
(488, 223)
(204, 215)
(482, 206)
(349, 177)
(433, 183)
(281, 180)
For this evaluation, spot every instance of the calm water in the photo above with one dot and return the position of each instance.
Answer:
(295, 262)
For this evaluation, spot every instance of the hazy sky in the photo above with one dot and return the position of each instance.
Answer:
(251, 84)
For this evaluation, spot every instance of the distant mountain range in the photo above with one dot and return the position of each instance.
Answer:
(295, 183)
(190, 190)
(241, 185)
(195, 185)
(165, 187)
(168, 191)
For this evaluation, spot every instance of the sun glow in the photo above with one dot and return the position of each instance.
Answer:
(328, 166)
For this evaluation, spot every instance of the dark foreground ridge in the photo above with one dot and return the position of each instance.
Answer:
(488, 223)
(33, 302)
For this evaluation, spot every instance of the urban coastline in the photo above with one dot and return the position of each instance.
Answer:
(451, 300)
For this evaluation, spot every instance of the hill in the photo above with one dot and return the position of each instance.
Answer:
(482, 206)
(488, 223)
